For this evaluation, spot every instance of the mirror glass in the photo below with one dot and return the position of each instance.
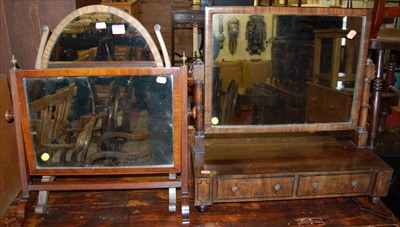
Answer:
(100, 36)
(98, 121)
(280, 69)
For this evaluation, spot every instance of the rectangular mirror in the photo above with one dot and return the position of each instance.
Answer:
(79, 119)
(275, 69)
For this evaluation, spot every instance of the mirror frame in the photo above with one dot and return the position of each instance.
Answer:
(45, 60)
(310, 127)
(179, 94)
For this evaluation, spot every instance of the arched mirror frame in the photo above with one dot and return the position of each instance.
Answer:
(45, 60)
(310, 127)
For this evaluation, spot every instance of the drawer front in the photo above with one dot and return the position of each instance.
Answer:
(188, 17)
(338, 105)
(249, 188)
(314, 114)
(315, 96)
(334, 184)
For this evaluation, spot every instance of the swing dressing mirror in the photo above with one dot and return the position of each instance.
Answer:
(87, 121)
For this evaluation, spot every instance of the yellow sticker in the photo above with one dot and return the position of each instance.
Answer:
(45, 156)
(214, 120)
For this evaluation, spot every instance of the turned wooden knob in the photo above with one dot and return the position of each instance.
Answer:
(315, 187)
(354, 184)
(194, 113)
(277, 188)
(235, 189)
(9, 115)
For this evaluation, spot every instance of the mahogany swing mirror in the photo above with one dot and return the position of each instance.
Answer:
(97, 121)
(276, 80)
(101, 104)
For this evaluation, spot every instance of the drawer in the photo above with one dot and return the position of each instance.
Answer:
(334, 184)
(188, 17)
(253, 188)
(338, 105)
(315, 97)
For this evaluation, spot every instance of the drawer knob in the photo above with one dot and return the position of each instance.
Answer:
(354, 184)
(277, 188)
(234, 189)
(315, 187)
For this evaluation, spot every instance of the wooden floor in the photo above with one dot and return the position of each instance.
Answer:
(150, 208)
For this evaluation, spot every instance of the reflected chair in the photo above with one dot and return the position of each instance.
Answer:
(124, 133)
(382, 40)
(229, 102)
(54, 141)
(107, 103)
(117, 148)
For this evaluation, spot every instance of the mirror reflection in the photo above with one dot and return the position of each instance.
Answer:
(283, 69)
(123, 121)
(100, 36)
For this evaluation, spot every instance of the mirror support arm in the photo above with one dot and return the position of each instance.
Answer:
(42, 44)
(198, 98)
(361, 135)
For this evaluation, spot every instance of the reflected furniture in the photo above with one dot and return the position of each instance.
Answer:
(257, 160)
(332, 76)
(131, 7)
(325, 104)
(100, 123)
(184, 18)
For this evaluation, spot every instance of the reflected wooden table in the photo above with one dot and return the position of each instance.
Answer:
(184, 18)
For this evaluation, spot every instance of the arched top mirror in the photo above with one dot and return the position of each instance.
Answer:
(274, 69)
(100, 35)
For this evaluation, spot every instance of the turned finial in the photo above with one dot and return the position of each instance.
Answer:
(14, 62)
(184, 58)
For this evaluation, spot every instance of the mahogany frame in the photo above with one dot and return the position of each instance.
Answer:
(352, 124)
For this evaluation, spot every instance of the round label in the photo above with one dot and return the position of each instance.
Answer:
(45, 156)
(214, 120)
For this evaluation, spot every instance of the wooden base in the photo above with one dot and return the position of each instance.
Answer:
(44, 187)
(242, 170)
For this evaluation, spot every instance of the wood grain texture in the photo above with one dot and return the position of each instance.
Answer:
(23, 21)
(24, 30)
(5, 48)
(10, 184)
(149, 208)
